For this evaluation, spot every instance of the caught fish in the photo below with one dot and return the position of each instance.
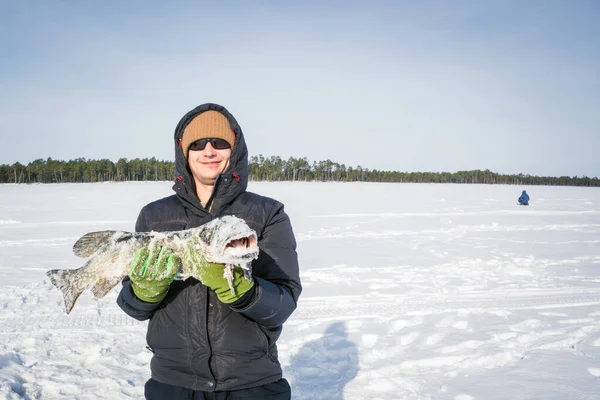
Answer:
(227, 240)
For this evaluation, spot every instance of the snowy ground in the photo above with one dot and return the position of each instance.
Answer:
(410, 292)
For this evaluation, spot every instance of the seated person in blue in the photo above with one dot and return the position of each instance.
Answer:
(524, 199)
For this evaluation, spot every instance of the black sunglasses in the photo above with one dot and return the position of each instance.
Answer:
(216, 143)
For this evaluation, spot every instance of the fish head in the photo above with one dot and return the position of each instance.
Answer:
(228, 240)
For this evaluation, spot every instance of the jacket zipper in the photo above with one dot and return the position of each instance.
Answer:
(265, 339)
(209, 203)
(210, 355)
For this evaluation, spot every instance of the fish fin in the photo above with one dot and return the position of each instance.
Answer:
(104, 285)
(66, 281)
(90, 242)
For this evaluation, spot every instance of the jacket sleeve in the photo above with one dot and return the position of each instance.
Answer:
(276, 273)
(127, 300)
(133, 306)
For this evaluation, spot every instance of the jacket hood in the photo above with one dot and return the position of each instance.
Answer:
(230, 184)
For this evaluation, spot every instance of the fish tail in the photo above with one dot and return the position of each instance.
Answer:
(66, 280)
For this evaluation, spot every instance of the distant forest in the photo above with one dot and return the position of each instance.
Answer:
(261, 168)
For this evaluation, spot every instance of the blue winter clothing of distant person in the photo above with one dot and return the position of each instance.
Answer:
(524, 199)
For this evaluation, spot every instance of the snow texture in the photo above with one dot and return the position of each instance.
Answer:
(410, 292)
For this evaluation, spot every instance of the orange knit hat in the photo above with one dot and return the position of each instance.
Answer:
(209, 124)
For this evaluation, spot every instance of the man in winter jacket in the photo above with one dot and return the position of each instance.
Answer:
(207, 342)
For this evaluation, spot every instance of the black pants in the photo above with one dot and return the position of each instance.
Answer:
(155, 390)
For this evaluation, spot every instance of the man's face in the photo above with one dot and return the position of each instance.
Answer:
(208, 163)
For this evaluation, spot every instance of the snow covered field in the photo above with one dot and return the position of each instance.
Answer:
(410, 292)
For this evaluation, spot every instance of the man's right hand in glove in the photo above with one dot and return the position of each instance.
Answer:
(151, 273)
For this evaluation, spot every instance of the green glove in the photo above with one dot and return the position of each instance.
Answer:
(212, 275)
(151, 272)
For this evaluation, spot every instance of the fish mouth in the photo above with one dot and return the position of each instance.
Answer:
(241, 249)
(245, 242)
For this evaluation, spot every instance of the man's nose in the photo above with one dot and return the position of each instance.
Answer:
(209, 149)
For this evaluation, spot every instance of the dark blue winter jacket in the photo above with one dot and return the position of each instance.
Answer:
(524, 199)
(199, 342)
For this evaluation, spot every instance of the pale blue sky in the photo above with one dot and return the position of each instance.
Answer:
(512, 86)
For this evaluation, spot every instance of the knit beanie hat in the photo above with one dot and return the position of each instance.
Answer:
(209, 124)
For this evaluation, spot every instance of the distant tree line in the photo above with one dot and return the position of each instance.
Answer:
(82, 170)
(260, 169)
